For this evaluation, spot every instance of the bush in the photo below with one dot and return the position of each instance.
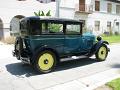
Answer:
(9, 40)
(116, 33)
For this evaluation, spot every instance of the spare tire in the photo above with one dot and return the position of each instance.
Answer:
(18, 47)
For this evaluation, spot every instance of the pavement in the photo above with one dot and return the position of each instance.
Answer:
(85, 74)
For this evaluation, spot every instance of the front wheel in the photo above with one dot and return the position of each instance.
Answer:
(102, 53)
(45, 61)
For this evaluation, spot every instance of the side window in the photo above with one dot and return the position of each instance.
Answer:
(72, 29)
(55, 28)
(52, 28)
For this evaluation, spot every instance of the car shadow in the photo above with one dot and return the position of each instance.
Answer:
(19, 69)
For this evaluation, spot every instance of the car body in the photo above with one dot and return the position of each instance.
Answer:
(43, 42)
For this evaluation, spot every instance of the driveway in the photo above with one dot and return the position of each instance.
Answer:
(67, 75)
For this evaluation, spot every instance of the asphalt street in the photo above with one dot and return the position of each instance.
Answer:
(16, 76)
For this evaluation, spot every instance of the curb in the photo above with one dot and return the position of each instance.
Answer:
(102, 78)
(90, 82)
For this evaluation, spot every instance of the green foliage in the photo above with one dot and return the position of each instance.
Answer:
(111, 38)
(55, 27)
(37, 14)
(48, 13)
(115, 84)
(41, 13)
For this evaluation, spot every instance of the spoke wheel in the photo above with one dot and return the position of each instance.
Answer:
(45, 62)
(102, 53)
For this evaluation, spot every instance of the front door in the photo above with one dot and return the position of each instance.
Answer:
(72, 44)
(73, 39)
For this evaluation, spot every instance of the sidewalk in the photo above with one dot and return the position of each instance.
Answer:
(90, 82)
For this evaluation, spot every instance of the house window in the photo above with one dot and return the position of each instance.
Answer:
(117, 23)
(109, 7)
(117, 9)
(97, 5)
(82, 5)
(97, 25)
(109, 26)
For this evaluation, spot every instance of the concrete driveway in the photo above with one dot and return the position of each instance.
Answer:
(70, 75)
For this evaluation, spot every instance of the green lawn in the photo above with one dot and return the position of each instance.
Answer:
(112, 39)
(115, 84)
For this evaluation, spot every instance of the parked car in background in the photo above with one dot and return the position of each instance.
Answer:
(44, 42)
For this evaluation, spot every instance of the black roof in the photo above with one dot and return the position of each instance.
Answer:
(57, 20)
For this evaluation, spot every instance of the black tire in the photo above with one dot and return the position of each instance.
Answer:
(102, 53)
(45, 61)
(18, 47)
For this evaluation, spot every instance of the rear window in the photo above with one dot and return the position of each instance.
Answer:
(35, 27)
(23, 28)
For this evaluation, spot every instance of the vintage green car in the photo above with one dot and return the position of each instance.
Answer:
(44, 42)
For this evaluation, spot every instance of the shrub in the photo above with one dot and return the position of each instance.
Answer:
(9, 40)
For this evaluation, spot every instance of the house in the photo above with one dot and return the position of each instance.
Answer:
(13, 11)
(99, 16)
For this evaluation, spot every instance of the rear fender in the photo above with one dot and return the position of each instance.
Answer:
(43, 48)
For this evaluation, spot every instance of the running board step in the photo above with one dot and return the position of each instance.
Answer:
(72, 58)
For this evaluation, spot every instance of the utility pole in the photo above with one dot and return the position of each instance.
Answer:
(57, 14)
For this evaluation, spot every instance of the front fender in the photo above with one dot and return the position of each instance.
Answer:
(96, 47)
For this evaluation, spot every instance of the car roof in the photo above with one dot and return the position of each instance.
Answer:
(57, 20)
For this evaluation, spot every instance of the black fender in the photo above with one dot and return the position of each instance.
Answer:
(43, 48)
(96, 47)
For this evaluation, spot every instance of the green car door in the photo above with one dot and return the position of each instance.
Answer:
(72, 44)
(73, 39)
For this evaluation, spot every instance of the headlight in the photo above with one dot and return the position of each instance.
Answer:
(99, 38)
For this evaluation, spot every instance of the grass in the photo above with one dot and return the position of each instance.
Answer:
(112, 38)
(115, 84)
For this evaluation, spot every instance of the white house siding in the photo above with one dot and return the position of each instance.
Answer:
(103, 17)
(12, 8)
(90, 18)
(67, 8)
(67, 12)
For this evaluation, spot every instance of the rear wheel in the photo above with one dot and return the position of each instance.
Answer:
(102, 53)
(46, 61)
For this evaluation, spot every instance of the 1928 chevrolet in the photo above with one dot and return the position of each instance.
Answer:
(43, 42)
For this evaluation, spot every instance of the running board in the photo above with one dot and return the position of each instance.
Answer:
(73, 58)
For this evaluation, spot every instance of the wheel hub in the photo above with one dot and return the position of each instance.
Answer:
(45, 61)
(102, 52)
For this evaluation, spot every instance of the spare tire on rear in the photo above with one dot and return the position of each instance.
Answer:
(18, 47)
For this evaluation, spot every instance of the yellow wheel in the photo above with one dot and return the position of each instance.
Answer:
(102, 53)
(45, 62)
